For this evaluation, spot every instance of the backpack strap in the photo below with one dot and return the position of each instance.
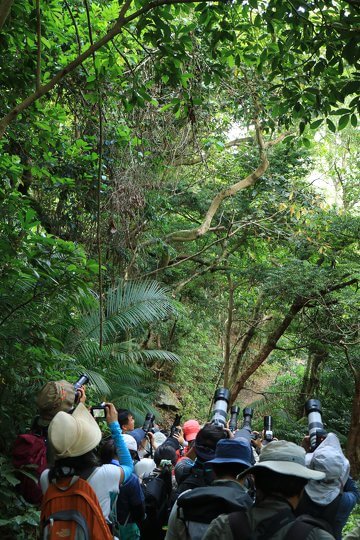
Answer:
(239, 521)
(299, 530)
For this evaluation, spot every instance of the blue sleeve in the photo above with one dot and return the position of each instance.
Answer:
(122, 451)
(351, 487)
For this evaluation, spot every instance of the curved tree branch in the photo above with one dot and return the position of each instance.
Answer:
(192, 234)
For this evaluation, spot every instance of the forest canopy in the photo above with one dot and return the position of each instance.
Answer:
(180, 206)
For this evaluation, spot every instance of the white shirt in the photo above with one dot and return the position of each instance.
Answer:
(104, 481)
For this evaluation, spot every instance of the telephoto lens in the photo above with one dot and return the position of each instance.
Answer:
(246, 431)
(315, 423)
(268, 431)
(83, 379)
(234, 413)
(247, 414)
(221, 400)
(148, 422)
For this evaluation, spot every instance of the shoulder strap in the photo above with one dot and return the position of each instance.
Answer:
(299, 530)
(239, 521)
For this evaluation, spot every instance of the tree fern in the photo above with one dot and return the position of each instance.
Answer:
(120, 368)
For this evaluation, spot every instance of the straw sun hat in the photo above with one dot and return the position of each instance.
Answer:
(74, 434)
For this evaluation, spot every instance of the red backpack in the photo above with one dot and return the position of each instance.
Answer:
(29, 455)
(70, 509)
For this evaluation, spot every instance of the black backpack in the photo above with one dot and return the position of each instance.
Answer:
(198, 507)
(299, 530)
(157, 501)
(194, 476)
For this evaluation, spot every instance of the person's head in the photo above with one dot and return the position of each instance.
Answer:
(232, 457)
(190, 429)
(165, 452)
(328, 457)
(73, 439)
(131, 446)
(73, 435)
(206, 441)
(126, 420)
(144, 467)
(281, 470)
(54, 396)
(107, 451)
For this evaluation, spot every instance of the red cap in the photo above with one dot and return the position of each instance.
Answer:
(190, 429)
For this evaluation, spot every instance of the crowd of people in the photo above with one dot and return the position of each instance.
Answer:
(191, 483)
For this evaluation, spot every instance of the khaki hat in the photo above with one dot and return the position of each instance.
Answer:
(55, 396)
(285, 457)
(74, 434)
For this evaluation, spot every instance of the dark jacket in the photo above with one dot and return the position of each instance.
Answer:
(220, 529)
(204, 507)
(130, 503)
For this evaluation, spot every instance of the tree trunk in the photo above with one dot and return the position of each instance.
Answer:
(267, 348)
(5, 8)
(353, 443)
(227, 337)
(311, 381)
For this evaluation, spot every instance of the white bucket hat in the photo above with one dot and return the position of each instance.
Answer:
(130, 442)
(74, 434)
(285, 457)
(328, 457)
(144, 467)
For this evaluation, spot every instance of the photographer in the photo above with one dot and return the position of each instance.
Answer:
(74, 439)
(280, 477)
(126, 420)
(31, 449)
(333, 498)
(189, 475)
(196, 508)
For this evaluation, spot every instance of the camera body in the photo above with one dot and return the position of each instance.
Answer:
(99, 411)
(148, 422)
(83, 379)
(174, 428)
(219, 413)
(317, 433)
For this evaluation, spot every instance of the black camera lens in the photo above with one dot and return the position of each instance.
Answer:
(312, 405)
(148, 422)
(234, 413)
(247, 414)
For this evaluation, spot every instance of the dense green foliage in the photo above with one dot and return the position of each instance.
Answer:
(179, 142)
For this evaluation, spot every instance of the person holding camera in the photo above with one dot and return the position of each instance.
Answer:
(196, 508)
(31, 448)
(74, 438)
(333, 498)
(280, 478)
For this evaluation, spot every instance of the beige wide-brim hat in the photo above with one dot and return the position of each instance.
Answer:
(75, 434)
(285, 457)
(55, 396)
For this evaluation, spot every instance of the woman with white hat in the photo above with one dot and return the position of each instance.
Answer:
(73, 438)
